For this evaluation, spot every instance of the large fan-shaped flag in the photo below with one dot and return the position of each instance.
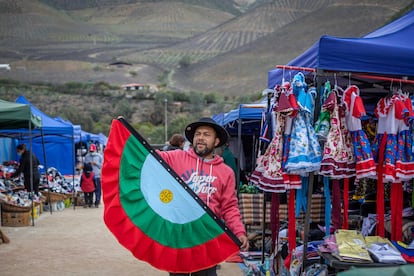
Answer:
(153, 213)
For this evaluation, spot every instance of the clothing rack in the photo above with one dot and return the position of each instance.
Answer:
(311, 177)
(320, 73)
(288, 67)
(358, 75)
(383, 78)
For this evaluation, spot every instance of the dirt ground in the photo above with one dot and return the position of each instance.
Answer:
(74, 242)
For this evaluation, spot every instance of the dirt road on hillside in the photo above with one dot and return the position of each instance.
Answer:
(74, 242)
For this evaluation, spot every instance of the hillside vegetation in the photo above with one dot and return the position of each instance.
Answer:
(95, 105)
(182, 47)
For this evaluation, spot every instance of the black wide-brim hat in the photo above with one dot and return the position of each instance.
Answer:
(220, 131)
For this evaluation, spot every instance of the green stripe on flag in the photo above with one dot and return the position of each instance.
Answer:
(143, 216)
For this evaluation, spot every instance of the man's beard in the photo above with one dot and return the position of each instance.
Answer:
(203, 153)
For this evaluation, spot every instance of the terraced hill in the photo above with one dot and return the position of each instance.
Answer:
(231, 35)
(245, 69)
(201, 45)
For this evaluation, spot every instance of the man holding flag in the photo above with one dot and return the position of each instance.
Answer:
(176, 210)
(209, 177)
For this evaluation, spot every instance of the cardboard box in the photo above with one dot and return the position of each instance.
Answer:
(16, 219)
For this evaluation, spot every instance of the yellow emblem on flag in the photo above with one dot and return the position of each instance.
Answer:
(166, 196)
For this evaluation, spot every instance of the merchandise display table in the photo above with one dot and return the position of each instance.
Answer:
(339, 265)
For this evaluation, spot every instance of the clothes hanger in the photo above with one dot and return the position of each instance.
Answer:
(391, 91)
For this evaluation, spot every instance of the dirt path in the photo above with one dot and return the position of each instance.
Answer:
(74, 242)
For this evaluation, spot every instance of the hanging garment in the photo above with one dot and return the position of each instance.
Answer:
(389, 112)
(365, 164)
(304, 149)
(405, 155)
(338, 157)
(322, 125)
(269, 175)
(267, 127)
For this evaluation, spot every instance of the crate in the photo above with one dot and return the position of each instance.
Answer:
(79, 200)
(8, 207)
(55, 206)
(15, 219)
(53, 197)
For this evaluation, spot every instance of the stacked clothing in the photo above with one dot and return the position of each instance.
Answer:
(407, 251)
(351, 247)
(382, 251)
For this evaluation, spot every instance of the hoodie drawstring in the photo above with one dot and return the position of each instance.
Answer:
(209, 184)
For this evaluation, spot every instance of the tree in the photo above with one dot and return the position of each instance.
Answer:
(185, 61)
(123, 108)
(197, 102)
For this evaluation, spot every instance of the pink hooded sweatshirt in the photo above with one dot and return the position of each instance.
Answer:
(212, 180)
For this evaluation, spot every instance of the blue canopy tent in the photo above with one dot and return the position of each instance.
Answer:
(102, 138)
(53, 143)
(388, 51)
(248, 116)
(84, 136)
(15, 117)
(82, 139)
(372, 62)
(246, 122)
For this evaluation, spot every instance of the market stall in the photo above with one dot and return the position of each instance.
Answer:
(379, 65)
(387, 51)
(53, 141)
(244, 125)
(15, 116)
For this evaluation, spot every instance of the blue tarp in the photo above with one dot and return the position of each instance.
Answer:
(250, 115)
(387, 51)
(84, 136)
(57, 138)
(7, 149)
(49, 124)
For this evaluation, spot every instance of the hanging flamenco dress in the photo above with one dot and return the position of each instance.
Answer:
(404, 166)
(304, 153)
(385, 149)
(268, 175)
(304, 149)
(389, 111)
(405, 155)
(365, 165)
(338, 158)
(294, 182)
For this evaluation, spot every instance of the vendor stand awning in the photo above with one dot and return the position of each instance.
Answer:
(16, 115)
(387, 51)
